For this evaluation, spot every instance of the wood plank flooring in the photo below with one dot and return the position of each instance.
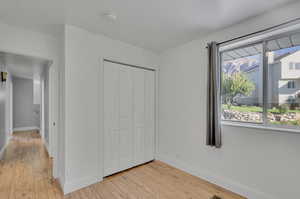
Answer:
(25, 173)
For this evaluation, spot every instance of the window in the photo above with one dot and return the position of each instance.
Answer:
(291, 84)
(291, 66)
(259, 87)
(242, 86)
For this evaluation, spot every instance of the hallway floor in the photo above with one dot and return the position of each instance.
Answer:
(25, 170)
(25, 173)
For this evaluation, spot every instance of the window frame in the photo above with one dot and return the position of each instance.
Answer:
(291, 84)
(265, 124)
(297, 66)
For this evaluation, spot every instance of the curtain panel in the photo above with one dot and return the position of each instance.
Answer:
(213, 137)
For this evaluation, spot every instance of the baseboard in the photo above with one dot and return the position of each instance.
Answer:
(26, 128)
(2, 152)
(226, 183)
(4, 147)
(61, 183)
(47, 148)
(69, 187)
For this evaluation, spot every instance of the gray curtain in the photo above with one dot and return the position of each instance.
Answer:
(213, 113)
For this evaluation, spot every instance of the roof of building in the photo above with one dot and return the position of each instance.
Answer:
(273, 45)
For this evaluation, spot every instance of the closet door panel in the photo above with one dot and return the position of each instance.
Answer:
(129, 117)
(139, 115)
(126, 118)
(111, 118)
(149, 115)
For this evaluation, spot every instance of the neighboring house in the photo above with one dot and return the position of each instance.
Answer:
(284, 80)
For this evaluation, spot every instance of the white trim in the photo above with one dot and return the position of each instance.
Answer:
(4, 147)
(79, 184)
(2, 151)
(61, 183)
(260, 126)
(221, 181)
(156, 141)
(101, 119)
(47, 148)
(259, 37)
(26, 128)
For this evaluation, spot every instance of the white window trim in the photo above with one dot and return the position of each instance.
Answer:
(260, 126)
(263, 40)
(260, 37)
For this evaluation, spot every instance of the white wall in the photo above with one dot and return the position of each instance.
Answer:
(5, 114)
(83, 99)
(37, 95)
(9, 107)
(259, 164)
(26, 114)
(21, 41)
(3, 136)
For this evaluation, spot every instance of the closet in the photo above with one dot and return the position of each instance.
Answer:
(129, 116)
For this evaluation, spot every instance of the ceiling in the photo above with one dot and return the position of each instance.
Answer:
(152, 24)
(23, 66)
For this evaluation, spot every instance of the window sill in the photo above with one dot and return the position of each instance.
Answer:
(257, 126)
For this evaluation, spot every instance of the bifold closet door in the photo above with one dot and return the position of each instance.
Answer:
(118, 137)
(143, 117)
(128, 117)
(149, 116)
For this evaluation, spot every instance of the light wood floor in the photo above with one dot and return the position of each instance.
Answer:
(25, 173)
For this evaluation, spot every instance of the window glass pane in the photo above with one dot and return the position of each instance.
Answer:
(241, 84)
(283, 84)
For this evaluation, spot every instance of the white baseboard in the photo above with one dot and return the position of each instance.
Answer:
(61, 182)
(69, 187)
(226, 183)
(26, 128)
(2, 152)
(4, 147)
(47, 148)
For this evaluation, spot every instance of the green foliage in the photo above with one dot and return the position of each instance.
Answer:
(283, 109)
(236, 84)
(244, 109)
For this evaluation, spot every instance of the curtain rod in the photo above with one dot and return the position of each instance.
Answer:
(259, 31)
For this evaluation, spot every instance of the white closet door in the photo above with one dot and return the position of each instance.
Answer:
(126, 118)
(139, 115)
(149, 115)
(129, 109)
(111, 118)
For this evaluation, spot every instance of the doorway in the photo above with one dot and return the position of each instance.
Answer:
(27, 112)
